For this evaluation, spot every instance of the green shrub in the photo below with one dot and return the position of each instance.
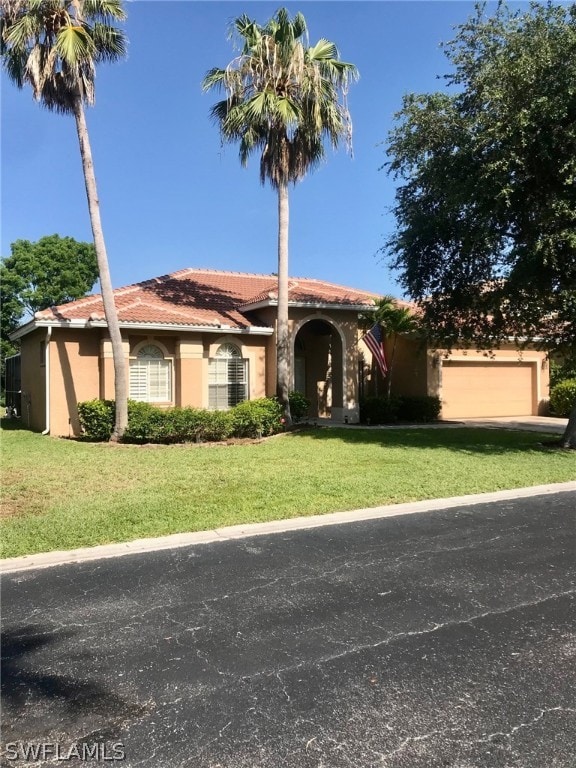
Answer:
(563, 398)
(97, 418)
(255, 418)
(214, 425)
(562, 371)
(379, 410)
(419, 409)
(183, 425)
(180, 425)
(299, 405)
(146, 424)
(149, 424)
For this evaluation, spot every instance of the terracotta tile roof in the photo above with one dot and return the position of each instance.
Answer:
(203, 297)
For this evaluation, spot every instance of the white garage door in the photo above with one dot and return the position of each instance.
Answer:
(487, 388)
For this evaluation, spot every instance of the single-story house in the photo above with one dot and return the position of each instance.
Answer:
(206, 338)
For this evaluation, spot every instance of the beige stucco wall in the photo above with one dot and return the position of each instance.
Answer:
(338, 397)
(169, 344)
(33, 382)
(189, 354)
(106, 364)
(407, 361)
(267, 317)
(74, 377)
(252, 348)
(502, 382)
(408, 364)
(81, 368)
(189, 370)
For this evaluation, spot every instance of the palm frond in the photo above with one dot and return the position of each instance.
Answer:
(73, 45)
(287, 111)
(323, 51)
(283, 97)
(58, 96)
(251, 141)
(15, 67)
(109, 10)
(21, 31)
(54, 45)
(247, 29)
(214, 78)
(109, 42)
(219, 111)
(299, 25)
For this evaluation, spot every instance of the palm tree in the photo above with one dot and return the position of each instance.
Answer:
(54, 46)
(395, 321)
(283, 100)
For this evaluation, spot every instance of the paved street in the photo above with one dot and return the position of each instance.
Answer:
(446, 638)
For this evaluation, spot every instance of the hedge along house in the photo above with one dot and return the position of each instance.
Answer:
(199, 338)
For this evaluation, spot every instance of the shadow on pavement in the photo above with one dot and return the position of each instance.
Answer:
(38, 703)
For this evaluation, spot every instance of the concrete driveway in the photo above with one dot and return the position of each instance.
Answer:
(443, 639)
(549, 424)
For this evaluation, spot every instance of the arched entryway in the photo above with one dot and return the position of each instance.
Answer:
(318, 369)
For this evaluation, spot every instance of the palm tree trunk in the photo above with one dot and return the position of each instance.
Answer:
(282, 335)
(120, 383)
(569, 437)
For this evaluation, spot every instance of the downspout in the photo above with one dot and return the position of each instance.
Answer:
(47, 374)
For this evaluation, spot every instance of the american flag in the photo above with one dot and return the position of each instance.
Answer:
(374, 340)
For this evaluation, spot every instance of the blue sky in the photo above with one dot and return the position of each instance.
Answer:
(172, 196)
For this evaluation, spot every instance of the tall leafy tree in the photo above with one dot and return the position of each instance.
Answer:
(55, 46)
(486, 202)
(43, 274)
(284, 99)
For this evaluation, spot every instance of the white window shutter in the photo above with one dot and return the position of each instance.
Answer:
(151, 376)
(227, 378)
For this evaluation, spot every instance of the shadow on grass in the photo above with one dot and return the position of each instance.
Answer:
(487, 441)
(33, 698)
(12, 424)
(462, 439)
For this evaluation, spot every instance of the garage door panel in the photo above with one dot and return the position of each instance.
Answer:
(476, 389)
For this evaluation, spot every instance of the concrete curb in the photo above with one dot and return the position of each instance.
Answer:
(49, 559)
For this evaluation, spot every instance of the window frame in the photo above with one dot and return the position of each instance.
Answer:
(137, 359)
(240, 378)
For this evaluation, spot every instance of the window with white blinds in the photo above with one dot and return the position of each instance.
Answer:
(151, 376)
(227, 378)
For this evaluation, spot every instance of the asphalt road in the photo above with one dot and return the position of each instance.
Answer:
(439, 639)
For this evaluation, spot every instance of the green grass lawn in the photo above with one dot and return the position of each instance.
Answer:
(61, 494)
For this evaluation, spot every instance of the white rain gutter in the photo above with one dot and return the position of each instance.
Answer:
(47, 373)
(251, 330)
(33, 325)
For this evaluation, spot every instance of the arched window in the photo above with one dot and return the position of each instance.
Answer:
(227, 378)
(151, 376)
